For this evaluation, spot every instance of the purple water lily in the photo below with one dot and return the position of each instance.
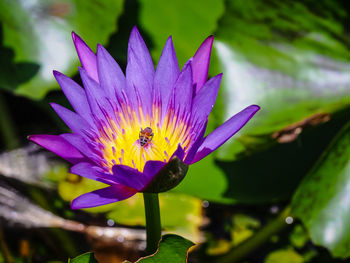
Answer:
(125, 128)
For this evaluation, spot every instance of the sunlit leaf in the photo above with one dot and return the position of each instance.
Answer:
(291, 59)
(39, 33)
(285, 256)
(85, 258)
(172, 249)
(322, 200)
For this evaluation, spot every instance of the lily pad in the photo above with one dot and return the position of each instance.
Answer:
(84, 258)
(322, 199)
(172, 249)
(39, 33)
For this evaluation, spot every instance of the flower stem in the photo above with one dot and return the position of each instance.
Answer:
(153, 225)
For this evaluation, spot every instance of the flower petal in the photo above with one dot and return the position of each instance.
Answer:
(74, 121)
(96, 97)
(200, 63)
(79, 143)
(86, 55)
(59, 146)
(139, 72)
(197, 143)
(179, 153)
(224, 132)
(153, 167)
(103, 196)
(183, 90)
(133, 178)
(205, 99)
(166, 75)
(75, 94)
(130, 177)
(93, 172)
(111, 77)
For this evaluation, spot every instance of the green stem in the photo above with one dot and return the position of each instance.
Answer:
(246, 247)
(153, 225)
(7, 128)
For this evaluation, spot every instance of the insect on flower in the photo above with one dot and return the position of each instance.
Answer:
(145, 136)
(173, 105)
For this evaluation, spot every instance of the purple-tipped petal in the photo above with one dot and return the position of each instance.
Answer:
(86, 55)
(152, 168)
(179, 153)
(79, 143)
(197, 143)
(200, 63)
(139, 73)
(224, 132)
(95, 95)
(166, 75)
(75, 122)
(58, 146)
(205, 99)
(183, 90)
(140, 51)
(92, 172)
(134, 179)
(111, 77)
(75, 94)
(130, 177)
(103, 196)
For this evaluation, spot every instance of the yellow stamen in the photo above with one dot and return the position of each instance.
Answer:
(122, 144)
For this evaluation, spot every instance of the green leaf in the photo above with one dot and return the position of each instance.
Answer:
(172, 249)
(284, 255)
(84, 258)
(39, 34)
(262, 175)
(270, 56)
(322, 200)
(189, 22)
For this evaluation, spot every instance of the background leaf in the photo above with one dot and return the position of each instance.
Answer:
(85, 258)
(38, 32)
(322, 199)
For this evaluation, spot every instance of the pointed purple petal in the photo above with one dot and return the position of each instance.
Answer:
(183, 90)
(205, 99)
(139, 73)
(75, 122)
(166, 75)
(75, 94)
(200, 64)
(103, 196)
(224, 132)
(58, 146)
(152, 168)
(86, 55)
(179, 153)
(79, 143)
(96, 96)
(90, 171)
(111, 77)
(141, 53)
(130, 177)
(197, 143)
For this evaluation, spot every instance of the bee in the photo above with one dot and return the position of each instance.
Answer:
(146, 135)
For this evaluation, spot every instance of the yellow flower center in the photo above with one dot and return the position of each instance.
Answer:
(121, 139)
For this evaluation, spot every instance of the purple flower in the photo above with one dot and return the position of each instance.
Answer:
(125, 128)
